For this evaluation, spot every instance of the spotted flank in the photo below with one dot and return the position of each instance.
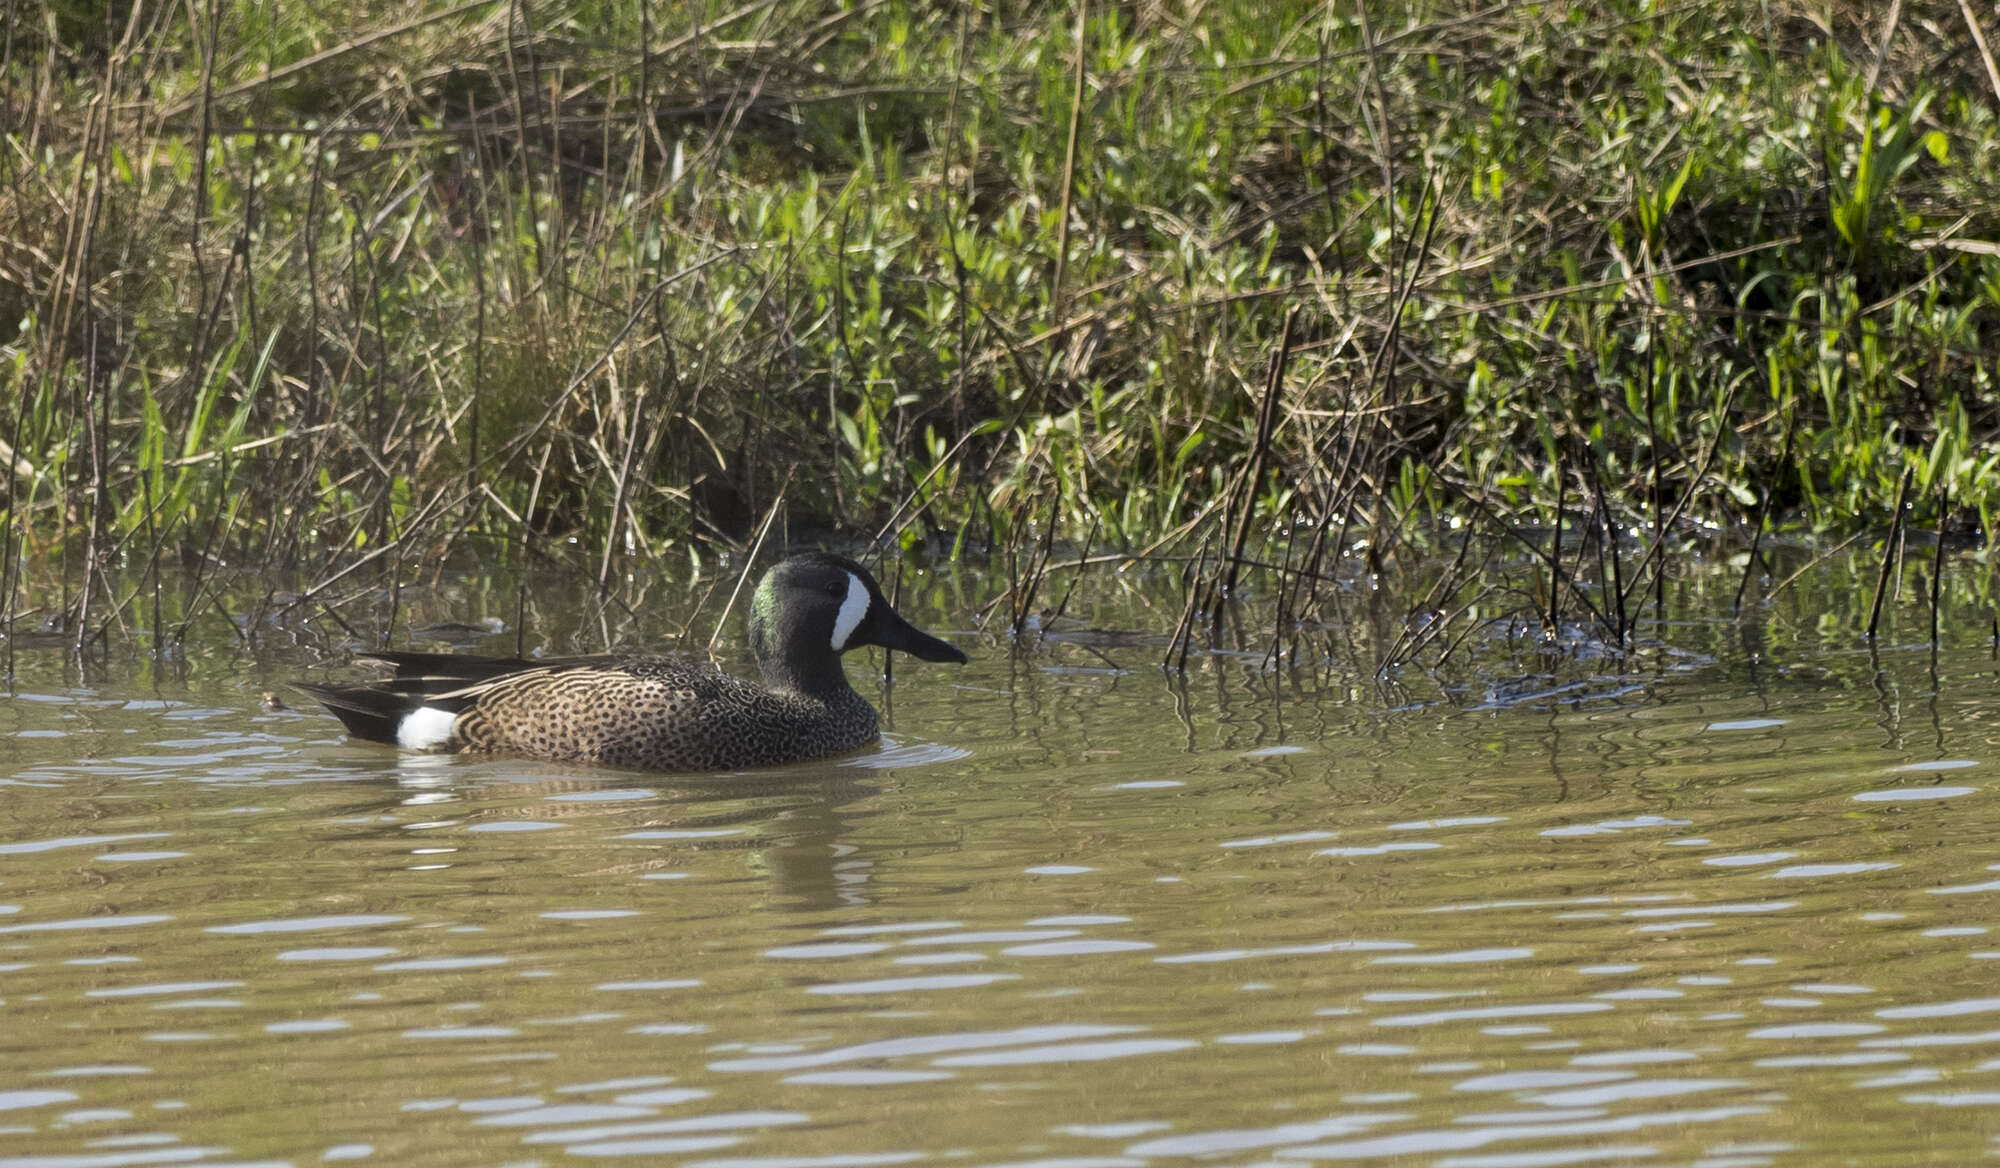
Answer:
(656, 713)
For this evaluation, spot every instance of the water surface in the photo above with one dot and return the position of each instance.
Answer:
(1733, 908)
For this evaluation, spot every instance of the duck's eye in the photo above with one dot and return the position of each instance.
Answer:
(836, 589)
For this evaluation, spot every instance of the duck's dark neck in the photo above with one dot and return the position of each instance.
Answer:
(822, 678)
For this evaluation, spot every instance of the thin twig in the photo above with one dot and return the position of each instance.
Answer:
(750, 560)
(1937, 565)
(1056, 290)
(1892, 551)
(1979, 39)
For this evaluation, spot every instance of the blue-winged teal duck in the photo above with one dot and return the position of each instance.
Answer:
(655, 713)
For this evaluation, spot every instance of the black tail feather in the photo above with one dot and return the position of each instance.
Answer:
(367, 711)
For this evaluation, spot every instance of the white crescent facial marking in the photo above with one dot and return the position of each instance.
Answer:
(425, 728)
(851, 611)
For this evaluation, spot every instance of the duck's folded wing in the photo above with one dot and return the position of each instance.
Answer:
(466, 669)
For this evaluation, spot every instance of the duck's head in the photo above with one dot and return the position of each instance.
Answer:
(812, 608)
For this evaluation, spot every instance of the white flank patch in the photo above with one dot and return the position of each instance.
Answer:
(425, 728)
(851, 611)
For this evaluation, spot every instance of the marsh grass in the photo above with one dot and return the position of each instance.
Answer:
(1297, 290)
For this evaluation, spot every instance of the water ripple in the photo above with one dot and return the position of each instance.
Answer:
(919, 1045)
(1068, 1052)
(310, 924)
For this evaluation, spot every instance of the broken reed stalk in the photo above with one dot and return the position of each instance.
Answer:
(1443, 621)
(1413, 636)
(153, 564)
(1224, 514)
(1815, 562)
(898, 521)
(1656, 487)
(1340, 620)
(1023, 598)
(750, 561)
(961, 306)
(8, 615)
(1469, 629)
(1535, 549)
(1383, 369)
(1083, 564)
(210, 47)
(1891, 552)
(517, 17)
(1281, 609)
(1242, 504)
(1597, 530)
(846, 365)
(1586, 535)
(96, 400)
(1184, 629)
(478, 341)
(1611, 585)
(895, 602)
(204, 568)
(1306, 581)
(1553, 624)
(1655, 556)
(1764, 506)
(387, 636)
(522, 524)
(412, 527)
(1937, 566)
(1013, 556)
(1006, 594)
(622, 493)
(1343, 488)
(1057, 307)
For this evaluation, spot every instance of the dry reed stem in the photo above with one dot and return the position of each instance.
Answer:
(749, 562)
(1979, 41)
(1058, 306)
(1892, 551)
(1937, 566)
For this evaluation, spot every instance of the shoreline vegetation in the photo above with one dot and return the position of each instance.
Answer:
(1287, 291)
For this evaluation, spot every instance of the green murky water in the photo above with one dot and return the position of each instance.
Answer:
(1734, 909)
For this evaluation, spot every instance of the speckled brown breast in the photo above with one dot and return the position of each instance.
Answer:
(661, 715)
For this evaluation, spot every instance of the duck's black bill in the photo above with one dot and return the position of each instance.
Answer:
(893, 632)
